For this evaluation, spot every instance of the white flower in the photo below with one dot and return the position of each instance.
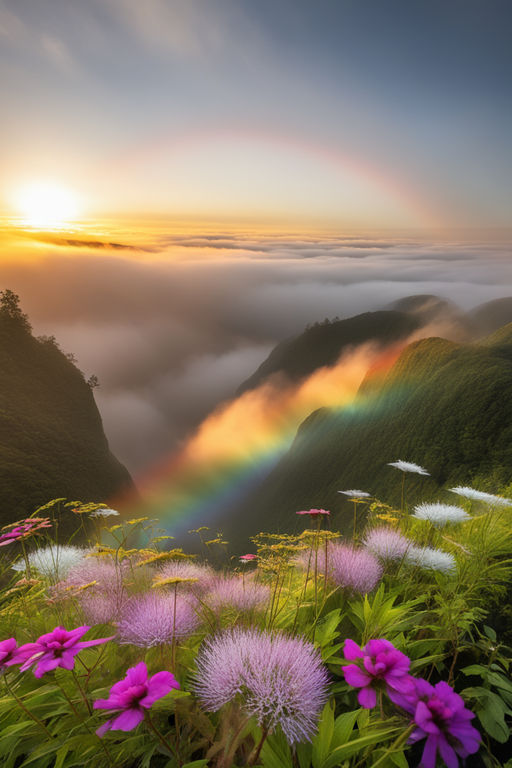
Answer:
(408, 466)
(440, 514)
(53, 562)
(435, 559)
(104, 512)
(487, 498)
(354, 494)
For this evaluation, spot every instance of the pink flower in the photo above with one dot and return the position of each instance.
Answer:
(443, 720)
(384, 667)
(57, 649)
(11, 653)
(313, 512)
(132, 695)
(351, 568)
(247, 558)
(23, 528)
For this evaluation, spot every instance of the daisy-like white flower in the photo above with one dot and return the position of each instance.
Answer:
(487, 498)
(104, 512)
(386, 543)
(440, 514)
(280, 680)
(433, 559)
(408, 466)
(355, 494)
(53, 562)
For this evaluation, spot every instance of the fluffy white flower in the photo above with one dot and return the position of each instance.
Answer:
(435, 559)
(487, 498)
(408, 466)
(354, 494)
(440, 514)
(53, 562)
(104, 512)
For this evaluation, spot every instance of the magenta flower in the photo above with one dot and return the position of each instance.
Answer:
(132, 695)
(11, 653)
(442, 720)
(384, 668)
(57, 649)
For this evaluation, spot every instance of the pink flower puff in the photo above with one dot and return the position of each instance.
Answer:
(11, 653)
(247, 558)
(441, 719)
(132, 695)
(384, 668)
(313, 512)
(57, 649)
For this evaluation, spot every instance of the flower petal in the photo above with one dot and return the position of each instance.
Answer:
(351, 650)
(127, 720)
(367, 698)
(355, 676)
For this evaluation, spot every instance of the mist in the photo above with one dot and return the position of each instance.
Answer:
(172, 330)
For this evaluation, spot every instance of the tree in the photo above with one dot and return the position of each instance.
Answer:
(93, 382)
(10, 309)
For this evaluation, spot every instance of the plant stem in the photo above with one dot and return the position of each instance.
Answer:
(255, 756)
(82, 692)
(159, 736)
(25, 710)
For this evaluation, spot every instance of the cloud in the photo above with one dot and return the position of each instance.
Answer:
(174, 331)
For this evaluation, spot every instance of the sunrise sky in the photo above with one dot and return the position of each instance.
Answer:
(338, 113)
(186, 183)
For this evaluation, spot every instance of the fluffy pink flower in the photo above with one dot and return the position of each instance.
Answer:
(383, 668)
(102, 602)
(234, 592)
(203, 574)
(11, 653)
(134, 694)
(352, 568)
(57, 649)
(152, 618)
(386, 543)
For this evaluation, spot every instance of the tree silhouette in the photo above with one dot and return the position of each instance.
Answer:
(11, 310)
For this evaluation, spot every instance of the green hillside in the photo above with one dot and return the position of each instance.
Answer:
(52, 442)
(323, 343)
(443, 405)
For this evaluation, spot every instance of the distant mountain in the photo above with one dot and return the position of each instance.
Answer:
(444, 405)
(323, 343)
(492, 315)
(52, 442)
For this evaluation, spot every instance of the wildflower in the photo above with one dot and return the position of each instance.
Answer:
(154, 618)
(134, 694)
(443, 720)
(11, 653)
(22, 529)
(384, 667)
(408, 466)
(279, 680)
(104, 512)
(183, 569)
(440, 514)
(386, 543)
(58, 649)
(313, 512)
(434, 559)
(355, 494)
(247, 558)
(233, 592)
(53, 562)
(487, 498)
(351, 568)
(102, 603)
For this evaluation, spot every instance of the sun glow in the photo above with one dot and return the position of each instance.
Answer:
(45, 204)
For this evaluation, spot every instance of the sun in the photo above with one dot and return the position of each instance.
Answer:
(45, 204)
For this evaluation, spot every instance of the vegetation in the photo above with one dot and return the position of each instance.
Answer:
(260, 661)
(52, 440)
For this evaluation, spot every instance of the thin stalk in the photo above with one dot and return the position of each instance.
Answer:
(25, 710)
(173, 642)
(255, 756)
(159, 736)
(82, 692)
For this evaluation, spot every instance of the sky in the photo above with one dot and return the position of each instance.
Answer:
(352, 113)
(187, 183)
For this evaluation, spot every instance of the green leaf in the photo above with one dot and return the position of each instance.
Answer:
(196, 764)
(343, 727)
(322, 740)
(356, 745)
